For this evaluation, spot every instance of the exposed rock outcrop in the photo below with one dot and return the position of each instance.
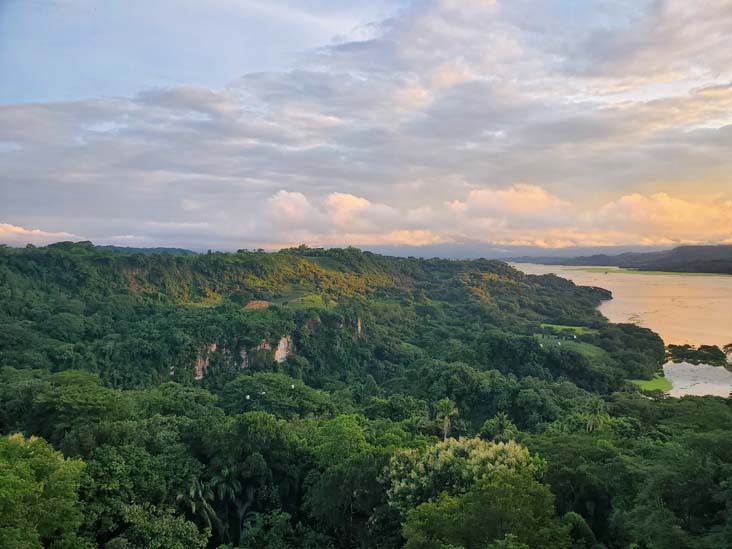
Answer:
(284, 348)
(256, 304)
(263, 346)
(260, 355)
(313, 322)
(202, 362)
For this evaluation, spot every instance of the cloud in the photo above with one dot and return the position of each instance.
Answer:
(518, 215)
(191, 99)
(504, 122)
(667, 40)
(14, 235)
(662, 219)
(520, 199)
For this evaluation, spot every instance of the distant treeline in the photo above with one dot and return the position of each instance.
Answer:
(705, 354)
(146, 251)
(686, 259)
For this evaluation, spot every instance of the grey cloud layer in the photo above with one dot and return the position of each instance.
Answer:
(511, 123)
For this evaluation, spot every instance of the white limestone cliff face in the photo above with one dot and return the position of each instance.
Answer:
(284, 348)
(202, 361)
(281, 352)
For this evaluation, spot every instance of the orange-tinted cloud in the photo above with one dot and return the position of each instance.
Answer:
(14, 235)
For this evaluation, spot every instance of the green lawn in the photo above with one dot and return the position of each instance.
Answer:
(658, 383)
(575, 330)
(307, 301)
(592, 352)
(589, 351)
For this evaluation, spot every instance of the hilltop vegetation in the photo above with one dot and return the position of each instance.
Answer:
(338, 398)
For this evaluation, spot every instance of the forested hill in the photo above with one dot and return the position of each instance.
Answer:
(337, 398)
(146, 251)
(688, 259)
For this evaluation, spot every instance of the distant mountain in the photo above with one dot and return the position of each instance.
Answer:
(687, 259)
(474, 250)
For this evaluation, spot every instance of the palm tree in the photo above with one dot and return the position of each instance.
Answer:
(445, 410)
(500, 428)
(196, 499)
(227, 487)
(502, 423)
(596, 415)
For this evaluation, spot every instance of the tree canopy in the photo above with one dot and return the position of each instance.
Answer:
(338, 399)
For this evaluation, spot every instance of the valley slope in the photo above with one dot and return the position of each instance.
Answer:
(338, 398)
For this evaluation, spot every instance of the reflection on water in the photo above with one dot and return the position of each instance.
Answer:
(699, 379)
(681, 308)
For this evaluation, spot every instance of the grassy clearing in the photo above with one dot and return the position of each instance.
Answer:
(308, 301)
(324, 262)
(589, 351)
(575, 330)
(658, 383)
(592, 352)
(291, 293)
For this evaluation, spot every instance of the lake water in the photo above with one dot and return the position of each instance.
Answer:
(697, 379)
(681, 308)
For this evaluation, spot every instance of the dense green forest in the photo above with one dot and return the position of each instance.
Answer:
(337, 398)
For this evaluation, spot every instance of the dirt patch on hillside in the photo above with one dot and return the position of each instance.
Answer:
(256, 304)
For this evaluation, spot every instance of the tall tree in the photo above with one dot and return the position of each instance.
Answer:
(511, 502)
(595, 415)
(38, 495)
(227, 487)
(500, 428)
(197, 499)
(445, 410)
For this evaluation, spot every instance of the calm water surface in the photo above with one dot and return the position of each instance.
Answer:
(681, 308)
(697, 379)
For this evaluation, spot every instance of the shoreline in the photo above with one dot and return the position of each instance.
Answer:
(621, 270)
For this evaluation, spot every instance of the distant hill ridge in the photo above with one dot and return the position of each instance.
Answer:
(146, 251)
(686, 259)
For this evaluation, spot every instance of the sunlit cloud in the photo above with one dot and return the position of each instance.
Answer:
(664, 219)
(14, 235)
(518, 215)
(446, 122)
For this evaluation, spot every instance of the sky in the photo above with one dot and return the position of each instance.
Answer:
(414, 124)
